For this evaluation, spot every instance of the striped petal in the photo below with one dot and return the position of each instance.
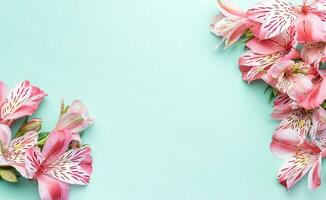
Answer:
(32, 161)
(22, 101)
(253, 65)
(299, 122)
(18, 146)
(73, 167)
(314, 174)
(296, 167)
(52, 189)
(276, 16)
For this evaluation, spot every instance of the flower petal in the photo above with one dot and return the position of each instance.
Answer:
(56, 144)
(316, 97)
(314, 174)
(18, 146)
(298, 122)
(283, 106)
(229, 10)
(32, 161)
(52, 189)
(73, 167)
(310, 28)
(264, 46)
(296, 167)
(276, 17)
(5, 135)
(253, 65)
(22, 101)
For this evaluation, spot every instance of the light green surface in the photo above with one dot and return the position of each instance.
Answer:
(174, 120)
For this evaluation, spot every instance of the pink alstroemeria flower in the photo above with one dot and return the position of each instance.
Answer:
(264, 53)
(299, 159)
(290, 78)
(276, 16)
(13, 152)
(231, 24)
(19, 102)
(301, 156)
(55, 168)
(75, 120)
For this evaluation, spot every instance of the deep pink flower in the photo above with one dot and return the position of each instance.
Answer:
(55, 167)
(21, 101)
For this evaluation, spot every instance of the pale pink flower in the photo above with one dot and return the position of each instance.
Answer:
(75, 120)
(55, 168)
(276, 16)
(231, 24)
(19, 102)
(13, 151)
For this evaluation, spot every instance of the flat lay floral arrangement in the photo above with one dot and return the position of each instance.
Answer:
(285, 47)
(53, 159)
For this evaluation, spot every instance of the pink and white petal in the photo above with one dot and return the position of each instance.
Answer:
(264, 46)
(316, 96)
(70, 121)
(276, 17)
(311, 54)
(278, 68)
(319, 118)
(56, 144)
(18, 146)
(229, 10)
(73, 167)
(253, 65)
(20, 168)
(298, 124)
(314, 174)
(295, 168)
(310, 28)
(3, 92)
(238, 30)
(52, 189)
(78, 107)
(284, 143)
(33, 161)
(283, 107)
(302, 85)
(5, 135)
(22, 101)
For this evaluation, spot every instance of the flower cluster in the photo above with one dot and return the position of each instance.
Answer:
(54, 159)
(285, 47)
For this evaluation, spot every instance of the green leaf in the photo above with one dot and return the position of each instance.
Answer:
(8, 175)
(42, 137)
(267, 88)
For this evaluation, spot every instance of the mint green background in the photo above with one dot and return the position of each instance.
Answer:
(174, 120)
